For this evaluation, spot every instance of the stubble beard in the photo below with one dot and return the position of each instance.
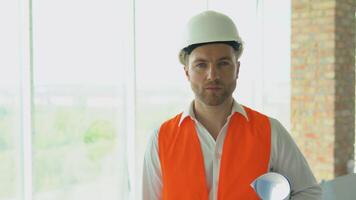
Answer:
(214, 98)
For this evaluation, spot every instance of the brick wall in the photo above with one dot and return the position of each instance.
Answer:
(323, 83)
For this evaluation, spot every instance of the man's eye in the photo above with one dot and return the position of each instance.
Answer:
(200, 65)
(224, 63)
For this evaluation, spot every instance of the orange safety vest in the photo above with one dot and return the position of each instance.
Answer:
(245, 156)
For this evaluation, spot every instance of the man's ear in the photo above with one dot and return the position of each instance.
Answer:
(237, 69)
(186, 71)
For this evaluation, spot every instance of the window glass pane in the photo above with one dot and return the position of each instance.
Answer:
(162, 89)
(264, 81)
(9, 101)
(277, 54)
(245, 16)
(77, 144)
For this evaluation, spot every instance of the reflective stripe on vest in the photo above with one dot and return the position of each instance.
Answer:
(245, 156)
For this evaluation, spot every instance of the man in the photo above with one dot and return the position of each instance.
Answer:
(217, 147)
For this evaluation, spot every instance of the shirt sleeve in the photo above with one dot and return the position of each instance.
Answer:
(152, 176)
(287, 160)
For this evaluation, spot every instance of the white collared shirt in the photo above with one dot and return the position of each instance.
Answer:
(285, 159)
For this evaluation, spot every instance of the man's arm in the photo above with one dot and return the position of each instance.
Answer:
(152, 176)
(290, 162)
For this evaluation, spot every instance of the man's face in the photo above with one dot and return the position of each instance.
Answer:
(212, 71)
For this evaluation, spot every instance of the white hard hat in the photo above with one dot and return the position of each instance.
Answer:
(208, 27)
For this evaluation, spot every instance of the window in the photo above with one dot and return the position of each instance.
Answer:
(162, 89)
(10, 183)
(82, 93)
(264, 81)
(78, 101)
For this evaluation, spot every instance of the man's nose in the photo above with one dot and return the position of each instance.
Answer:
(213, 72)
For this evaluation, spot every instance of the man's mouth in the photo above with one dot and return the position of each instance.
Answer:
(212, 87)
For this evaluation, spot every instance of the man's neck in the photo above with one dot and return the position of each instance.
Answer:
(213, 118)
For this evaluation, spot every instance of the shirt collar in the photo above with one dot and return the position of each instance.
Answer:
(189, 111)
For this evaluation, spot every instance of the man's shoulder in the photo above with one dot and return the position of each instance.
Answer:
(168, 129)
(251, 112)
(172, 120)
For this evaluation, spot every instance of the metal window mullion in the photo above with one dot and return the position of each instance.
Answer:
(132, 105)
(130, 97)
(259, 90)
(26, 97)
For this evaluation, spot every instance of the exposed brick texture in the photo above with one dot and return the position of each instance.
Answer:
(323, 83)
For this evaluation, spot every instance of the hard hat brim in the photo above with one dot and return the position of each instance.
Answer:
(237, 46)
